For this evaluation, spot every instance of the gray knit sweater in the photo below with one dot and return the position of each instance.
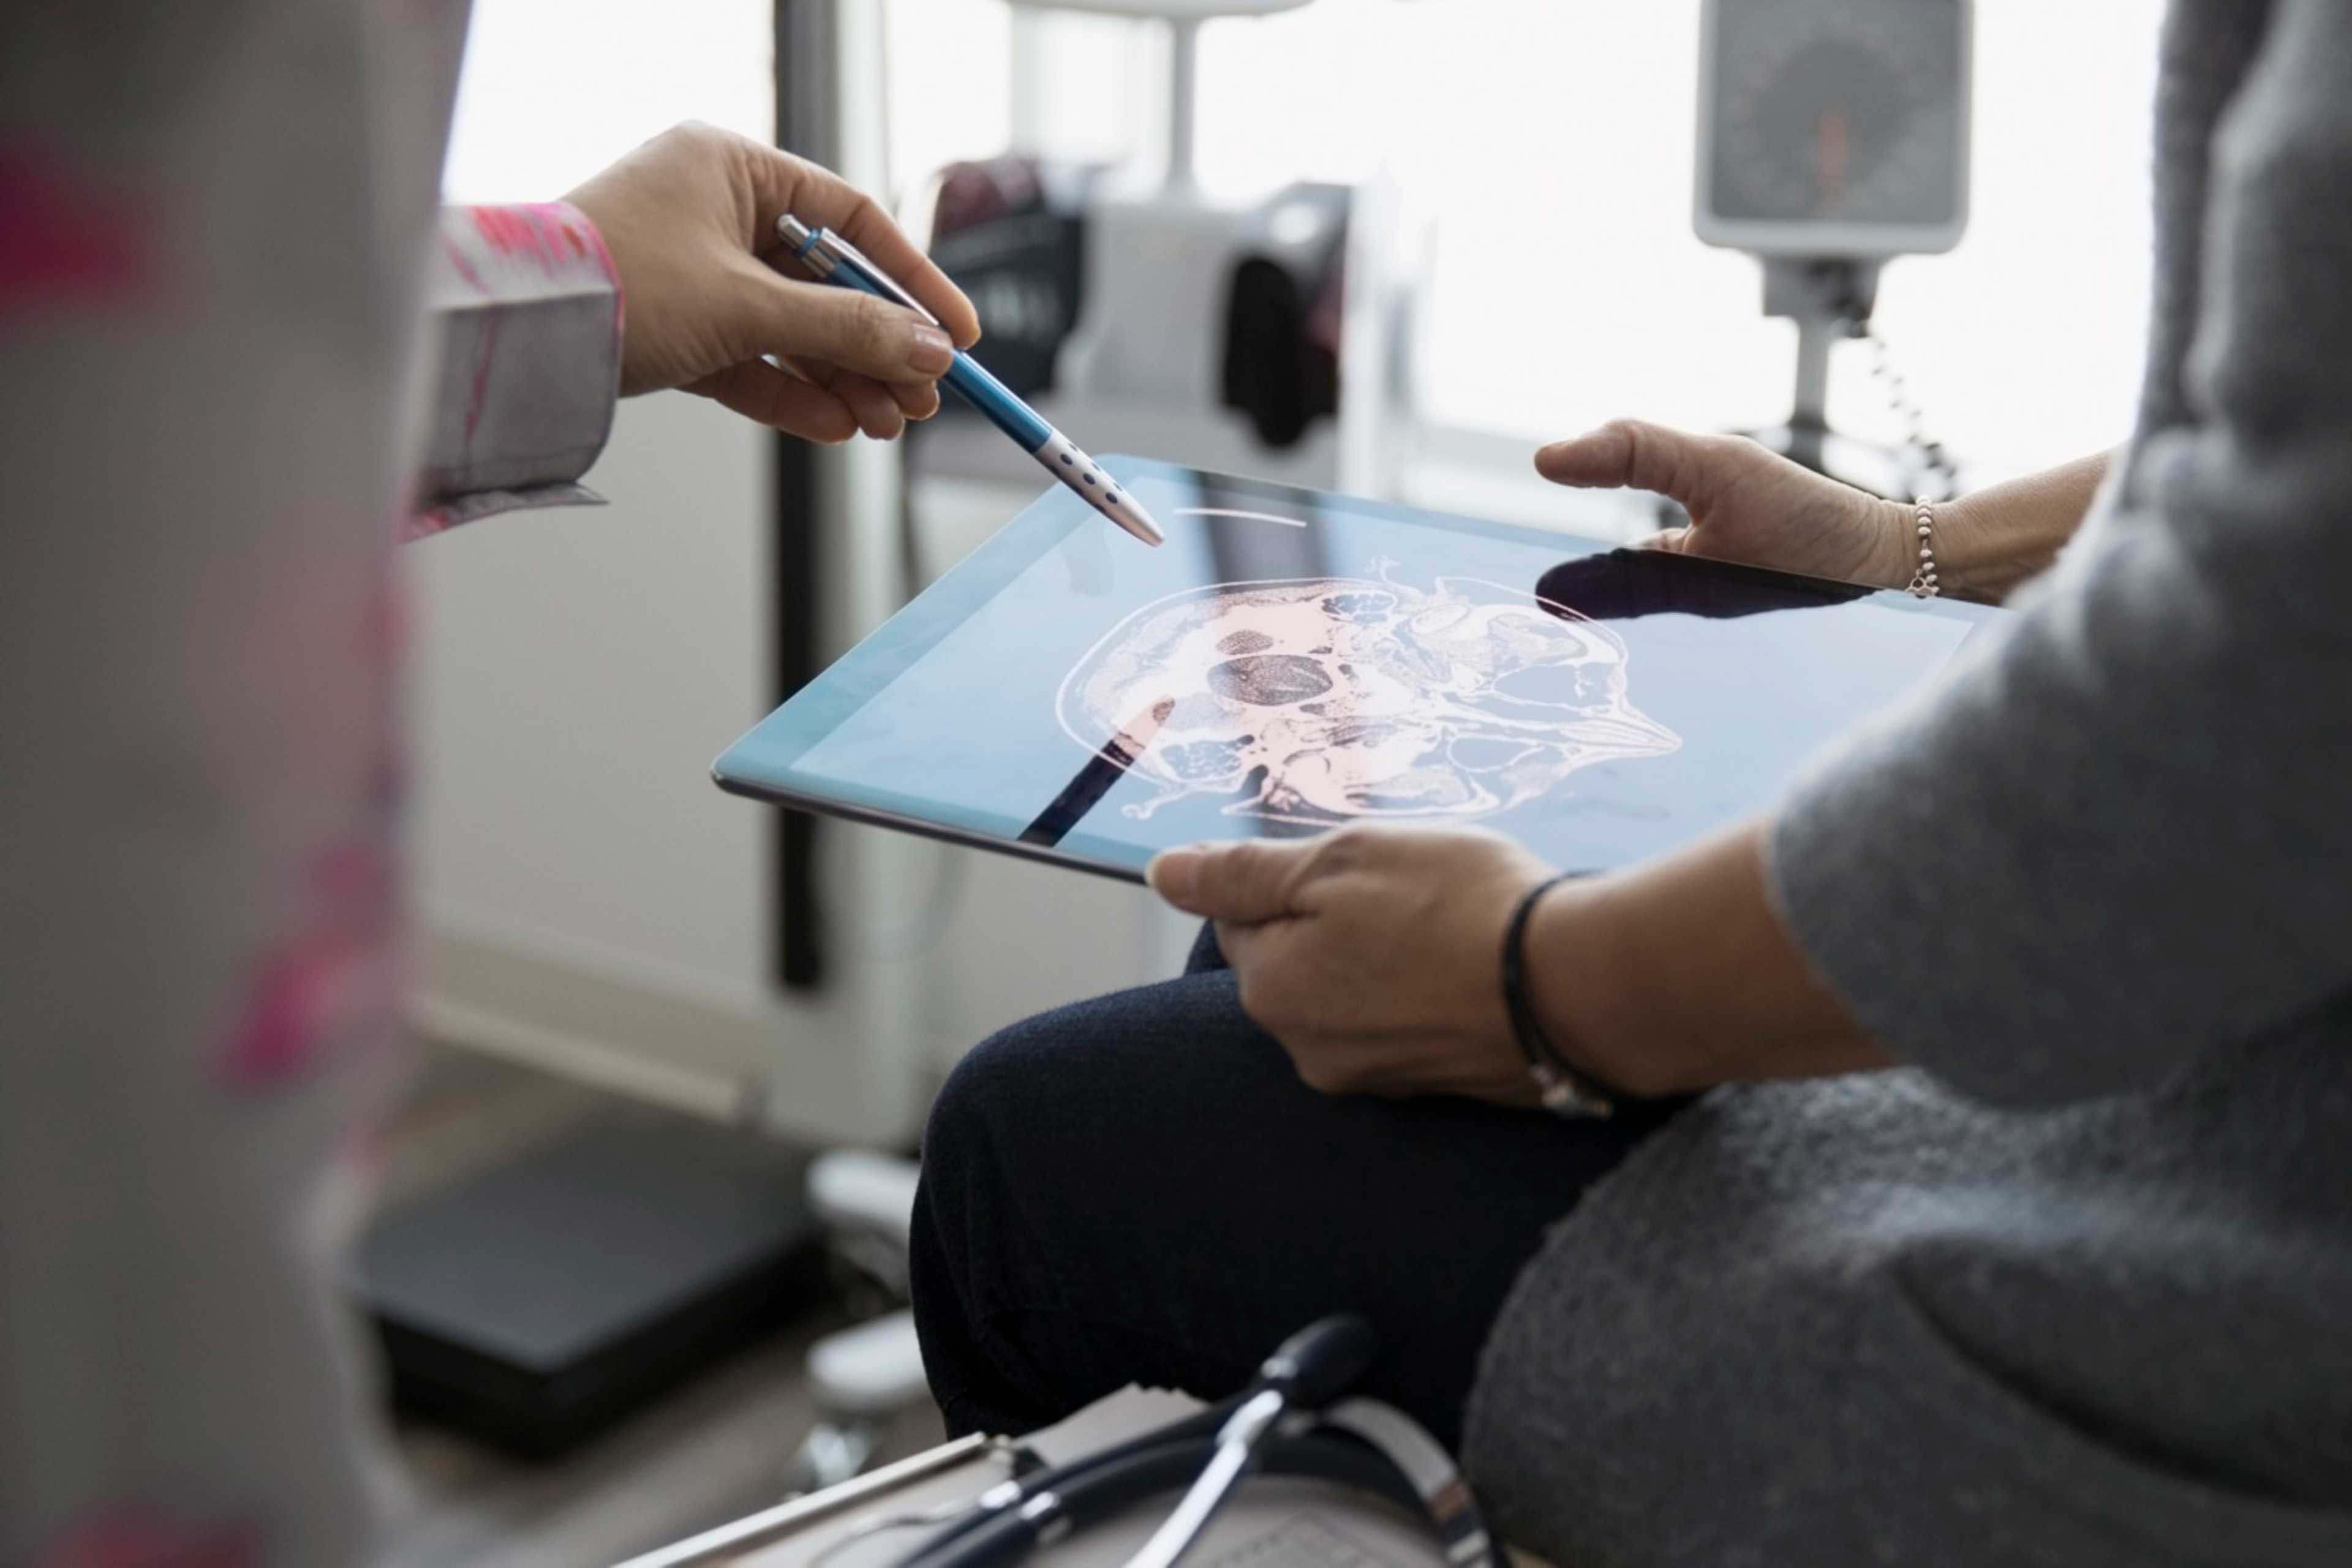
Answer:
(2076, 1287)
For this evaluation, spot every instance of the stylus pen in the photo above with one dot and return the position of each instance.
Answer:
(835, 260)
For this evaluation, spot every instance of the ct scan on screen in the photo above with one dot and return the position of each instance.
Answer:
(1330, 700)
(1292, 661)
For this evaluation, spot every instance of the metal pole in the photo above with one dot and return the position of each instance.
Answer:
(1809, 423)
(1184, 94)
(1815, 337)
(1829, 298)
(807, 123)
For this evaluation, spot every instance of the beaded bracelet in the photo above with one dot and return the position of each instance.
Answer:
(1565, 1092)
(1923, 580)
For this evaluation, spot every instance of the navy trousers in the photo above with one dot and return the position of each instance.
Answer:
(1140, 1189)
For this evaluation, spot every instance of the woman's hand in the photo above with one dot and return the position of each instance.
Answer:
(690, 219)
(1746, 503)
(1373, 954)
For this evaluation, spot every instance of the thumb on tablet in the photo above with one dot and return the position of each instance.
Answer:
(1633, 452)
(1247, 881)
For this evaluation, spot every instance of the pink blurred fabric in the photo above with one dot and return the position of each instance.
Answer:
(249, 356)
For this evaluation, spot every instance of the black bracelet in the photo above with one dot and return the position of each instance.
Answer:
(1566, 1091)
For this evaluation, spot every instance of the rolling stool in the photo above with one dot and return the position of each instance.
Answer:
(865, 1376)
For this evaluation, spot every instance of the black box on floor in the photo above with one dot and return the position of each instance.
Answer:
(536, 1304)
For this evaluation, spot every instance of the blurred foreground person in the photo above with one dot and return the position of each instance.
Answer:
(217, 247)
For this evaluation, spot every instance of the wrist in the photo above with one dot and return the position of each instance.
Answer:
(1967, 565)
(1569, 945)
(1564, 1086)
(1678, 974)
(1897, 555)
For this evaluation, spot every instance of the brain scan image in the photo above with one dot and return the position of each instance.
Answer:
(1328, 699)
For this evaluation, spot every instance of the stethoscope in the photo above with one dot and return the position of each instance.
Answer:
(1289, 1422)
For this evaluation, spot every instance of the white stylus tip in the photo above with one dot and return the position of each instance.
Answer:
(1061, 457)
(1128, 513)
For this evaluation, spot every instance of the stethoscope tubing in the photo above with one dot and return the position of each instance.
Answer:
(1085, 1494)
(1286, 1422)
(1019, 1491)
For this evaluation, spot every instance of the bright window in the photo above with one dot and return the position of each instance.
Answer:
(553, 90)
(1546, 146)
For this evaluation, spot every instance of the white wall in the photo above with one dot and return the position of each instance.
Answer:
(578, 670)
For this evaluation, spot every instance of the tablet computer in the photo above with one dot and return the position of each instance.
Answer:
(1291, 660)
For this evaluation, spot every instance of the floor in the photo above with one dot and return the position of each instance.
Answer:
(714, 1450)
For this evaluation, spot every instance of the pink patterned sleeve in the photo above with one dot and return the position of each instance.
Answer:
(526, 312)
(211, 243)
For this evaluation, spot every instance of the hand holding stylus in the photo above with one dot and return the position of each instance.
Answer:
(687, 220)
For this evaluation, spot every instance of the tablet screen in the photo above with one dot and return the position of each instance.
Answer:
(1292, 661)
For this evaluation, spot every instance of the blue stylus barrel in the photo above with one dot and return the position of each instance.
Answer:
(973, 385)
(996, 400)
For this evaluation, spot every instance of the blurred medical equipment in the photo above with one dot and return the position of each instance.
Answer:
(537, 1303)
(1146, 315)
(862, 1377)
(1833, 136)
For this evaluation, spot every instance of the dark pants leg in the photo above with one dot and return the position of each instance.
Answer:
(1138, 1188)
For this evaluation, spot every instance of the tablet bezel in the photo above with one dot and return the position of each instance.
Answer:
(867, 669)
